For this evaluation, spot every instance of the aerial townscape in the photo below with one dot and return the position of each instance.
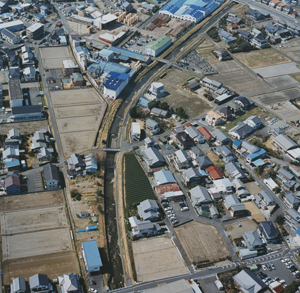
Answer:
(149, 146)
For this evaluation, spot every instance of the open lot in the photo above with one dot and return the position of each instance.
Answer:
(253, 188)
(205, 48)
(31, 201)
(235, 231)
(53, 265)
(260, 58)
(198, 238)
(25, 128)
(78, 115)
(289, 111)
(22, 245)
(52, 57)
(276, 70)
(157, 258)
(26, 220)
(281, 81)
(227, 66)
(254, 211)
(272, 98)
(178, 97)
(292, 49)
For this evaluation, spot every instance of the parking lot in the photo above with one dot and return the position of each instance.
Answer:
(182, 216)
(32, 88)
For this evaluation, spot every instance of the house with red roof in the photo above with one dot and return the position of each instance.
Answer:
(214, 172)
(206, 133)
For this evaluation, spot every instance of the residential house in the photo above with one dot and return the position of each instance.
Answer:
(181, 159)
(204, 162)
(45, 153)
(267, 198)
(153, 158)
(232, 204)
(213, 118)
(220, 137)
(222, 53)
(12, 183)
(248, 282)
(184, 140)
(148, 210)
(69, 283)
(149, 142)
(214, 214)
(39, 283)
(28, 57)
(10, 153)
(226, 153)
(241, 130)
(245, 35)
(235, 108)
(223, 186)
(285, 175)
(91, 256)
(234, 170)
(152, 126)
(91, 164)
(195, 134)
(191, 175)
(164, 177)
(159, 112)
(255, 15)
(284, 142)
(199, 195)
(226, 113)
(253, 121)
(14, 134)
(270, 29)
(63, 41)
(10, 37)
(3, 7)
(211, 84)
(51, 176)
(143, 228)
(244, 102)
(44, 10)
(192, 86)
(253, 241)
(268, 232)
(270, 183)
(206, 133)
(29, 74)
(126, 6)
(18, 285)
(196, 152)
(76, 79)
(291, 201)
(259, 42)
(75, 164)
(135, 132)
(214, 172)
(14, 72)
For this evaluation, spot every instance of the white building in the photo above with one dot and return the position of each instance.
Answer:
(115, 84)
(270, 183)
(29, 74)
(156, 91)
(135, 131)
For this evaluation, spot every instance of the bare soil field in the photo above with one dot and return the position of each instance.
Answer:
(261, 58)
(227, 66)
(289, 111)
(80, 29)
(253, 188)
(31, 201)
(198, 238)
(157, 258)
(25, 128)
(53, 265)
(270, 99)
(78, 96)
(78, 110)
(277, 70)
(52, 57)
(292, 49)
(281, 81)
(45, 242)
(254, 211)
(26, 220)
(179, 97)
(205, 48)
(234, 231)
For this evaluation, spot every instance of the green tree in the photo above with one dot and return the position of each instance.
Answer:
(133, 112)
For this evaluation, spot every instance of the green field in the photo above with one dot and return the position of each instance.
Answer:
(137, 185)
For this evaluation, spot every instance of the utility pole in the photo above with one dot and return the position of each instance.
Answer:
(198, 257)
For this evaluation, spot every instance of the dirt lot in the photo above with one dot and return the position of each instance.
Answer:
(234, 231)
(253, 188)
(279, 96)
(277, 70)
(26, 220)
(157, 258)
(178, 97)
(198, 238)
(205, 48)
(76, 27)
(77, 119)
(25, 128)
(289, 111)
(261, 58)
(292, 49)
(281, 81)
(31, 201)
(228, 66)
(255, 213)
(52, 57)
(53, 265)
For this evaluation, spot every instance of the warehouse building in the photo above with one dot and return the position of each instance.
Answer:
(12, 26)
(26, 113)
(15, 93)
(35, 31)
(91, 256)
(115, 84)
(156, 47)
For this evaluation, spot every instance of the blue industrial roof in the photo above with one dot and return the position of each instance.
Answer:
(129, 54)
(193, 12)
(106, 52)
(123, 58)
(115, 80)
(81, 49)
(39, 15)
(144, 102)
(256, 154)
(170, 8)
(108, 67)
(92, 254)
(259, 162)
(298, 231)
(198, 3)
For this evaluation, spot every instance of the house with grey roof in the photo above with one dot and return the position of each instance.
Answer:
(152, 126)
(51, 176)
(14, 134)
(267, 198)
(45, 153)
(204, 162)
(18, 285)
(268, 232)
(199, 195)
(291, 201)
(253, 121)
(221, 137)
(149, 142)
(159, 112)
(164, 177)
(191, 175)
(232, 204)
(249, 282)
(284, 142)
(234, 170)
(196, 152)
(244, 102)
(76, 165)
(195, 134)
(284, 175)
(148, 210)
(253, 241)
(153, 158)
(213, 212)
(226, 153)
(143, 228)
(69, 283)
(182, 160)
(39, 283)
(241, 130)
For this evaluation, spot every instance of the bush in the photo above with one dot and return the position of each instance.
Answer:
(213, 33)
(134, 113)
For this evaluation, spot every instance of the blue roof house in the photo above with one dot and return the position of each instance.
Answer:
(91, 256)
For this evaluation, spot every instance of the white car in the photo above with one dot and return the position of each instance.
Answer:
(264, 267)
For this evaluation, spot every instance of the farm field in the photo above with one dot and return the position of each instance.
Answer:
(136, 191)
(204, 239)
(277, 70)
(270, 99)
(157, 257)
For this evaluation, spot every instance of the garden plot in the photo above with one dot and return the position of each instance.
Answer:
(26, 220)
(156, 258)
(202, 239)
(277, 70)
